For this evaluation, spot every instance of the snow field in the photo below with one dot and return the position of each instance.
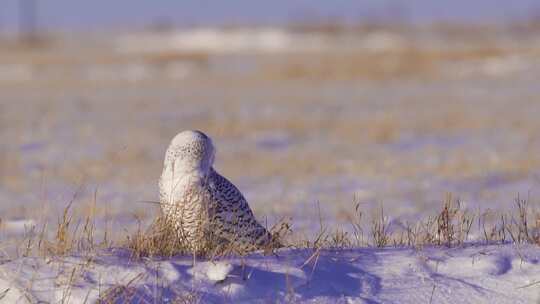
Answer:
(476, 274)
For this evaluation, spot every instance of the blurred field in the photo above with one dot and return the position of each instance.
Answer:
(398, 116)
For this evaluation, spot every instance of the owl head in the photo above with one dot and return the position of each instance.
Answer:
(190, 152)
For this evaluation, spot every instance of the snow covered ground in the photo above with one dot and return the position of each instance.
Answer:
(474, 274)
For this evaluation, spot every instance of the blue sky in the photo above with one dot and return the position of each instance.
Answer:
(103, 14)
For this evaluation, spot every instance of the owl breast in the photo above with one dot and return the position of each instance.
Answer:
(185, 205)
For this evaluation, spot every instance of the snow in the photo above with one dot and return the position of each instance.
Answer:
(507, 273)
(210, 40)
(218, 271)
(265, 40)
(18, 226)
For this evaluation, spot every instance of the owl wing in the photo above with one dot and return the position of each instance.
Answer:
(232, 217)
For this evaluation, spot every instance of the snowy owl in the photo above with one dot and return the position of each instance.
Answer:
(201, 203)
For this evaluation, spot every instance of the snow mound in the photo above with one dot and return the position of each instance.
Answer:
(475, 274)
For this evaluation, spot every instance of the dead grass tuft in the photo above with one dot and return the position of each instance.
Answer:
(74, 236)
(160, 239)
(379, 229)
(453, 223)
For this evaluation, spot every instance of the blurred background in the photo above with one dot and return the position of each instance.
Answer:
(310, 104)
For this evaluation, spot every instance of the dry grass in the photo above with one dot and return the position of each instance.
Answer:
(451, 226)
(125, 293)
(72, 235)
(366, 123)
(412, 58)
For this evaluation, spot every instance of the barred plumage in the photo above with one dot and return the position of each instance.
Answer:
(201, 203)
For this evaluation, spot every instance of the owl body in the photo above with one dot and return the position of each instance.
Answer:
(202, 204)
